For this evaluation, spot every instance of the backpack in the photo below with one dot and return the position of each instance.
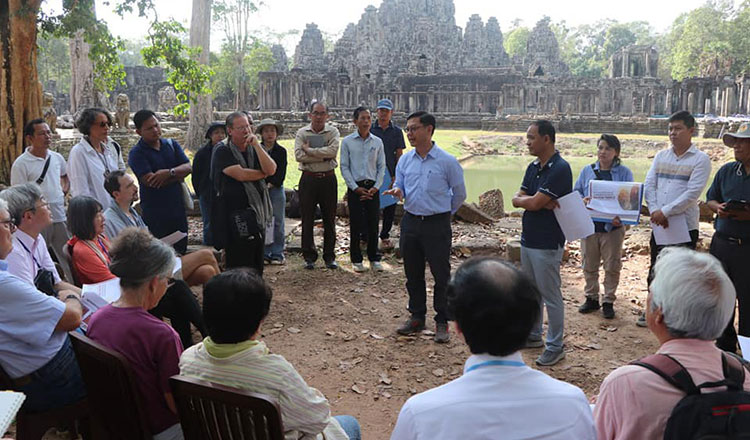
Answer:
(703, 416)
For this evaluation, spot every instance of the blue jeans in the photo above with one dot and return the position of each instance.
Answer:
(205, 206)
(350, 426)
(543, 266)
(56, 384)
(275, 250)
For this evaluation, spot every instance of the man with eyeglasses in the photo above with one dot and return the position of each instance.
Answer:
(432, 183)
(35, 351)
(315, 148)
(731, 241)
(30, 255)
(160, 166)
(48, 169)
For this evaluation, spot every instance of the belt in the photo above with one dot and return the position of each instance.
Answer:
(428, 217)
(734, 240)
(367, 183)
(318, 175)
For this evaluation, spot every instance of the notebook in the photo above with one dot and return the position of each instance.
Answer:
(10, 403)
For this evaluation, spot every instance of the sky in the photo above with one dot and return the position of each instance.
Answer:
(332, 16)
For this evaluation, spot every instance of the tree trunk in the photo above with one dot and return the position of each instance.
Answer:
(82, 91)
(20, 90)
(201, 113)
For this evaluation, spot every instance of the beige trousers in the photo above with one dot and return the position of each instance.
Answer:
(605, 248)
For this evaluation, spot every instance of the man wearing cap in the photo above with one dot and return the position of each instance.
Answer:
(316, 146)
(673, 185)
(393, 145)
(731, 241)
(202, 176)
(363, 168)
(270, 130)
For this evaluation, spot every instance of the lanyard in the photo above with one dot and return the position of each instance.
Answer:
(496, 363)
(101, 156)
(38, 266)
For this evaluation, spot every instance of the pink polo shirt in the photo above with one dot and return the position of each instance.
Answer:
(635, 403)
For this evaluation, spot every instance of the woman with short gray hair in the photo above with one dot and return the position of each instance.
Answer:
(94, 156)
(151, 346)
(695, 295)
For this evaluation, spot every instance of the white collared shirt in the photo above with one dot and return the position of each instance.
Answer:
(21, 259)
(28, 168)
(674, 184)
(86, 169)
(497, 398)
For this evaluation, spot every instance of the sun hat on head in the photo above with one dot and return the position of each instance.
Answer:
(214, 126)
(386, 104)
(267, 122)
(743, 132)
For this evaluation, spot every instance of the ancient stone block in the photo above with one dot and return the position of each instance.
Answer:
(491, 202)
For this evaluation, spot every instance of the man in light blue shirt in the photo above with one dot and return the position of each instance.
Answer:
(432, 183)
(363, 167)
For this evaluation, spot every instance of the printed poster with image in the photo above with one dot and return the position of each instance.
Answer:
(615, 199)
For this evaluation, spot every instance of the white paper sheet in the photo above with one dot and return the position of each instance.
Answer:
(744, 346)
(173, 238)
(615, 199)
(573, 217)
(676, 233)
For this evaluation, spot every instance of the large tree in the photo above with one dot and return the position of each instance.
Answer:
(233, 16)
(200, 37)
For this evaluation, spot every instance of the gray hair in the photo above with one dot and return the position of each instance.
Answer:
(21, 198)
(129, 251)
(4, 205)
(694, 293)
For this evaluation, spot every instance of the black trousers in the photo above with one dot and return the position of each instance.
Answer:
(318, 191)
(363, 219)
(734, 258)
(426, 238)
(246, 253)
(389, 213)
(182, 308)
(657, 248)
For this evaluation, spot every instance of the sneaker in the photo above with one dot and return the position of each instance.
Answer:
(266, 261)
(309, 265)
(590, 305)
(608, 310)
(332, 265)
(377, 266)
(534, 343)
(277, 262)
(550, 357)
(358, 267)
(411, 326)
(441, 333)
(642, 320)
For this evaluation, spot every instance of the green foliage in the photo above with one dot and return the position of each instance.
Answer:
(515, 42)
(132, 56)
(188, 76)
(53, 61)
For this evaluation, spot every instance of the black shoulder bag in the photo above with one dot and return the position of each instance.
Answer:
(44, 280)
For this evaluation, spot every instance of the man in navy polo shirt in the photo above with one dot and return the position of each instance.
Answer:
(731, 241)
(160, 166)
(393, 144)
(542, 241)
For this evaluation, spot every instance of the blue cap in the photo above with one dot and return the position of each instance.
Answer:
(385, 103)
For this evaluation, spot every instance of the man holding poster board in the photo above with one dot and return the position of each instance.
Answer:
(542, 241)
(673, 185)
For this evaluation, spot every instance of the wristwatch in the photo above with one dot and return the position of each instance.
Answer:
(71, 296)
(171, 172)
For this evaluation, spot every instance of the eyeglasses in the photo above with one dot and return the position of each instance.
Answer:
(413, 128)
(104, 124)
(9, 224)
(319, 113)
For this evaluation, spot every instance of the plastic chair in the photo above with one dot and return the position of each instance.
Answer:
(210, 411)
(33, 425)
(115, 402)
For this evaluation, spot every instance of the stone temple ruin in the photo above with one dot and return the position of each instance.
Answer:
(412, 52)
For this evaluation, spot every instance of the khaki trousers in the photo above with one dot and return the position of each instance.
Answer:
(604, 248)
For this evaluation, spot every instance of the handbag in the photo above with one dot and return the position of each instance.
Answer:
(44, 281)
(187, 197)
(244, 226)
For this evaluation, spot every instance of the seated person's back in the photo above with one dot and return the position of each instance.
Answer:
(498, 396)
(690, 302)
(234, 305)
(151, 346)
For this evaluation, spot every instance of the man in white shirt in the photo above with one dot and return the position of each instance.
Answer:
(495, 307)
(48, 169)
(674, 183)
(31, 213)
